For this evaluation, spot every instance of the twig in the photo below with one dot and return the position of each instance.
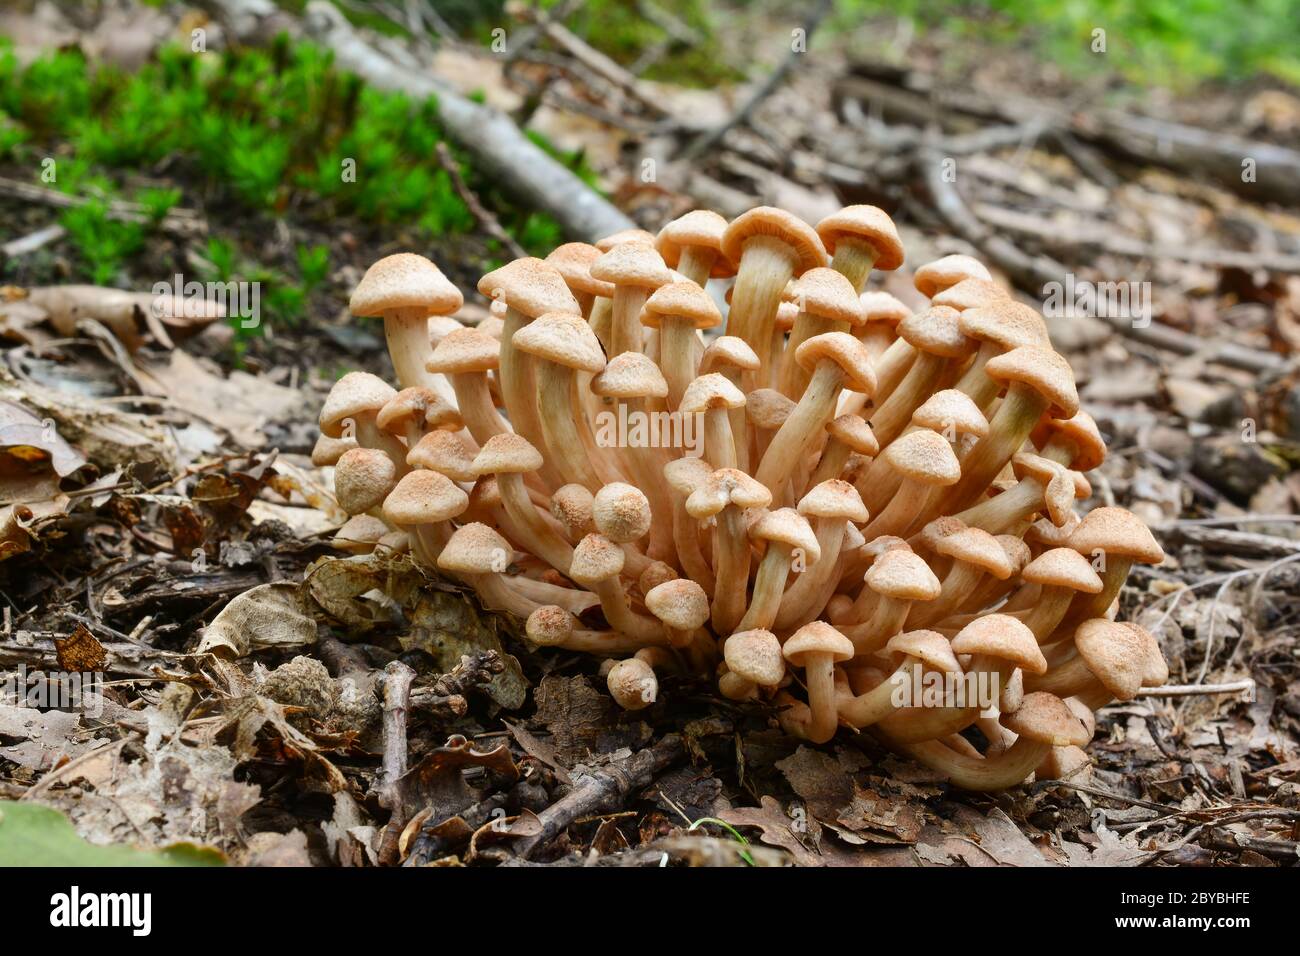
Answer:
(183, 222)
(30, 243)
(397, 701)
(484, 216)
(1196, 690)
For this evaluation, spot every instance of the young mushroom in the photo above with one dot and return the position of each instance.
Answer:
(817, 648)
(422, 504)
(919, 649)
(788, 535)
(466, 356)
(635, 270)
(860, 238)
(724, 496)
(678, 310)
(754, 660)
(692, 244)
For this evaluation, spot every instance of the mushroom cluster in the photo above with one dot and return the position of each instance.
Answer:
(820, 499)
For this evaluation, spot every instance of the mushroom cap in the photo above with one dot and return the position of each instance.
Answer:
(682, 299)
(817, 638)
(573, 260)
(867, 224)
(786, 526)
(363, 477)
(767, 408)
(1157, 669)
(702, 228)
(549, 625)
(977, 547)
(632, 682)
(360, 534)
(1044, 718)
(475, 548)
(902, 576)
(679, 603)
(327, 451)
(937, 330)
(833, 498)
(938, 529)
(883, 543)
(1045, 533)
(971, 294)
(1042, 370)
(445, 452)
(1004, 637)
(770, 221)
(405, 281)
(1007, 324)
(354, 395)
(710, 391)
(951, 409)
(933, 277)
(630, 375)
(530, 287)
(883, 307)
(726, 486)
(1116, 531)
(1017, 551)
(624, 236)
(1117, 655)
(563, 338)
(1062, 568)
(621, 512)
(1082, 431)
(756, 656)
(854, 431)
(687, 473)
(424, 497)
(572, 506)
(596, 559)
(440, 326)
(787, 313)
(728, 351)
(1041, 469)
(1065, 763)
(844, 350)
(485, 494)
(465, 350)
(506, 454)
(929, 647)
(924, 456)
(421, 405)
(632, 264)
(827, 294)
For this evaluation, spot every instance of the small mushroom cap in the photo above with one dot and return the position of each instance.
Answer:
(929, 647)
(1044, 718)
(971, 294)
(505, 454)
(938, 529)
(933, 277)
(1157, 669)
(1081, 430)
(655, 574)
(572, 506)
(883, 307)
(363, 477)
(833, 498)
(702, 228)
(630, 375)
(680, 604)
(1065, 763)
(767, 408)
(573, 261)
(1044, 533)
(902, 576)
(1042, 370)
(854, 431)
(710, 391)
(446, 453)
(421, 405)
(865, 224)
(924, 456)
(549, 625)
(327, 451)
(1003, 637)
(844, 350)
(563, 338)
(884, 543)
(354, 395)
(1007, 324)
(726, 486)
(817, 638)
(1116, 531)
(632, 264)
(424, 497)
(756, 656)
(624, 236)
(786, 526)
(827, 294)
(1063, 568)
(682, 299)
(529, 286)
(686, 474)
(621, 512)
(787, 313)
(1117, 655)
(728, 351)
(475, 548)
(486, 493)
(769, 221)
(632, 682)
(596, 559)
(1042, 469)
(977, 547)
(405, 281)
(937, 330)
(951, 410)
(1017, 551)
(465, 351)
(360, 534)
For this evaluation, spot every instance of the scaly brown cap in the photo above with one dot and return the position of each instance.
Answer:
(924, 456)
(929, 647)
(529, 286)
(1044, 718)
(475, 549)
(562, 338)
(680, 604)
(1116, 531)
(632, 264)
(355, 394)
(507, 453)
(933, 277)
(363, 477)
(937, 330)
(827, 294)
(867, 224)
(465, 350)
(446, 453)
(699, 227)
(769, 221)
(845, 351)
(815, 639)
(833, 499)
(424, 497)
(573, 261)
(903, 576)
(405, 281)
(630, 375)
(1004, 637)
(1042, 370)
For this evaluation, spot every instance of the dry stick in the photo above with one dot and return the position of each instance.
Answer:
(397, 701)
(1197, 690)
(181, 222)
(483, 216)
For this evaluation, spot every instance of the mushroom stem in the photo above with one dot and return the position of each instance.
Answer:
(518, 391)
(678, 343)
(958, 584)
(535, 533)
(766, 265)
(886, 620)
(900, 511)
(793, 379)
(731, 560)
(815, 408)
(474, 400)
(626, 333)
(892, 415)
(601, 320)
(819, 676)
(1046, 614)
(769, 584)
(854, 259)
(563, 424)
(621, 617)
(1006, 769)
(801, 598)
(406, 332)
(719, 439)
(975, 382)
(686, 536)
(875, 705)
(1086, 606)
(1067, 678)
(696, 262)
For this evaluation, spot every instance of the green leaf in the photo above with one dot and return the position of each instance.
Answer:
(34, 835)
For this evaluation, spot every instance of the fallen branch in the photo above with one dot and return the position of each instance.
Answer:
(396, 692)
(180, 222)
